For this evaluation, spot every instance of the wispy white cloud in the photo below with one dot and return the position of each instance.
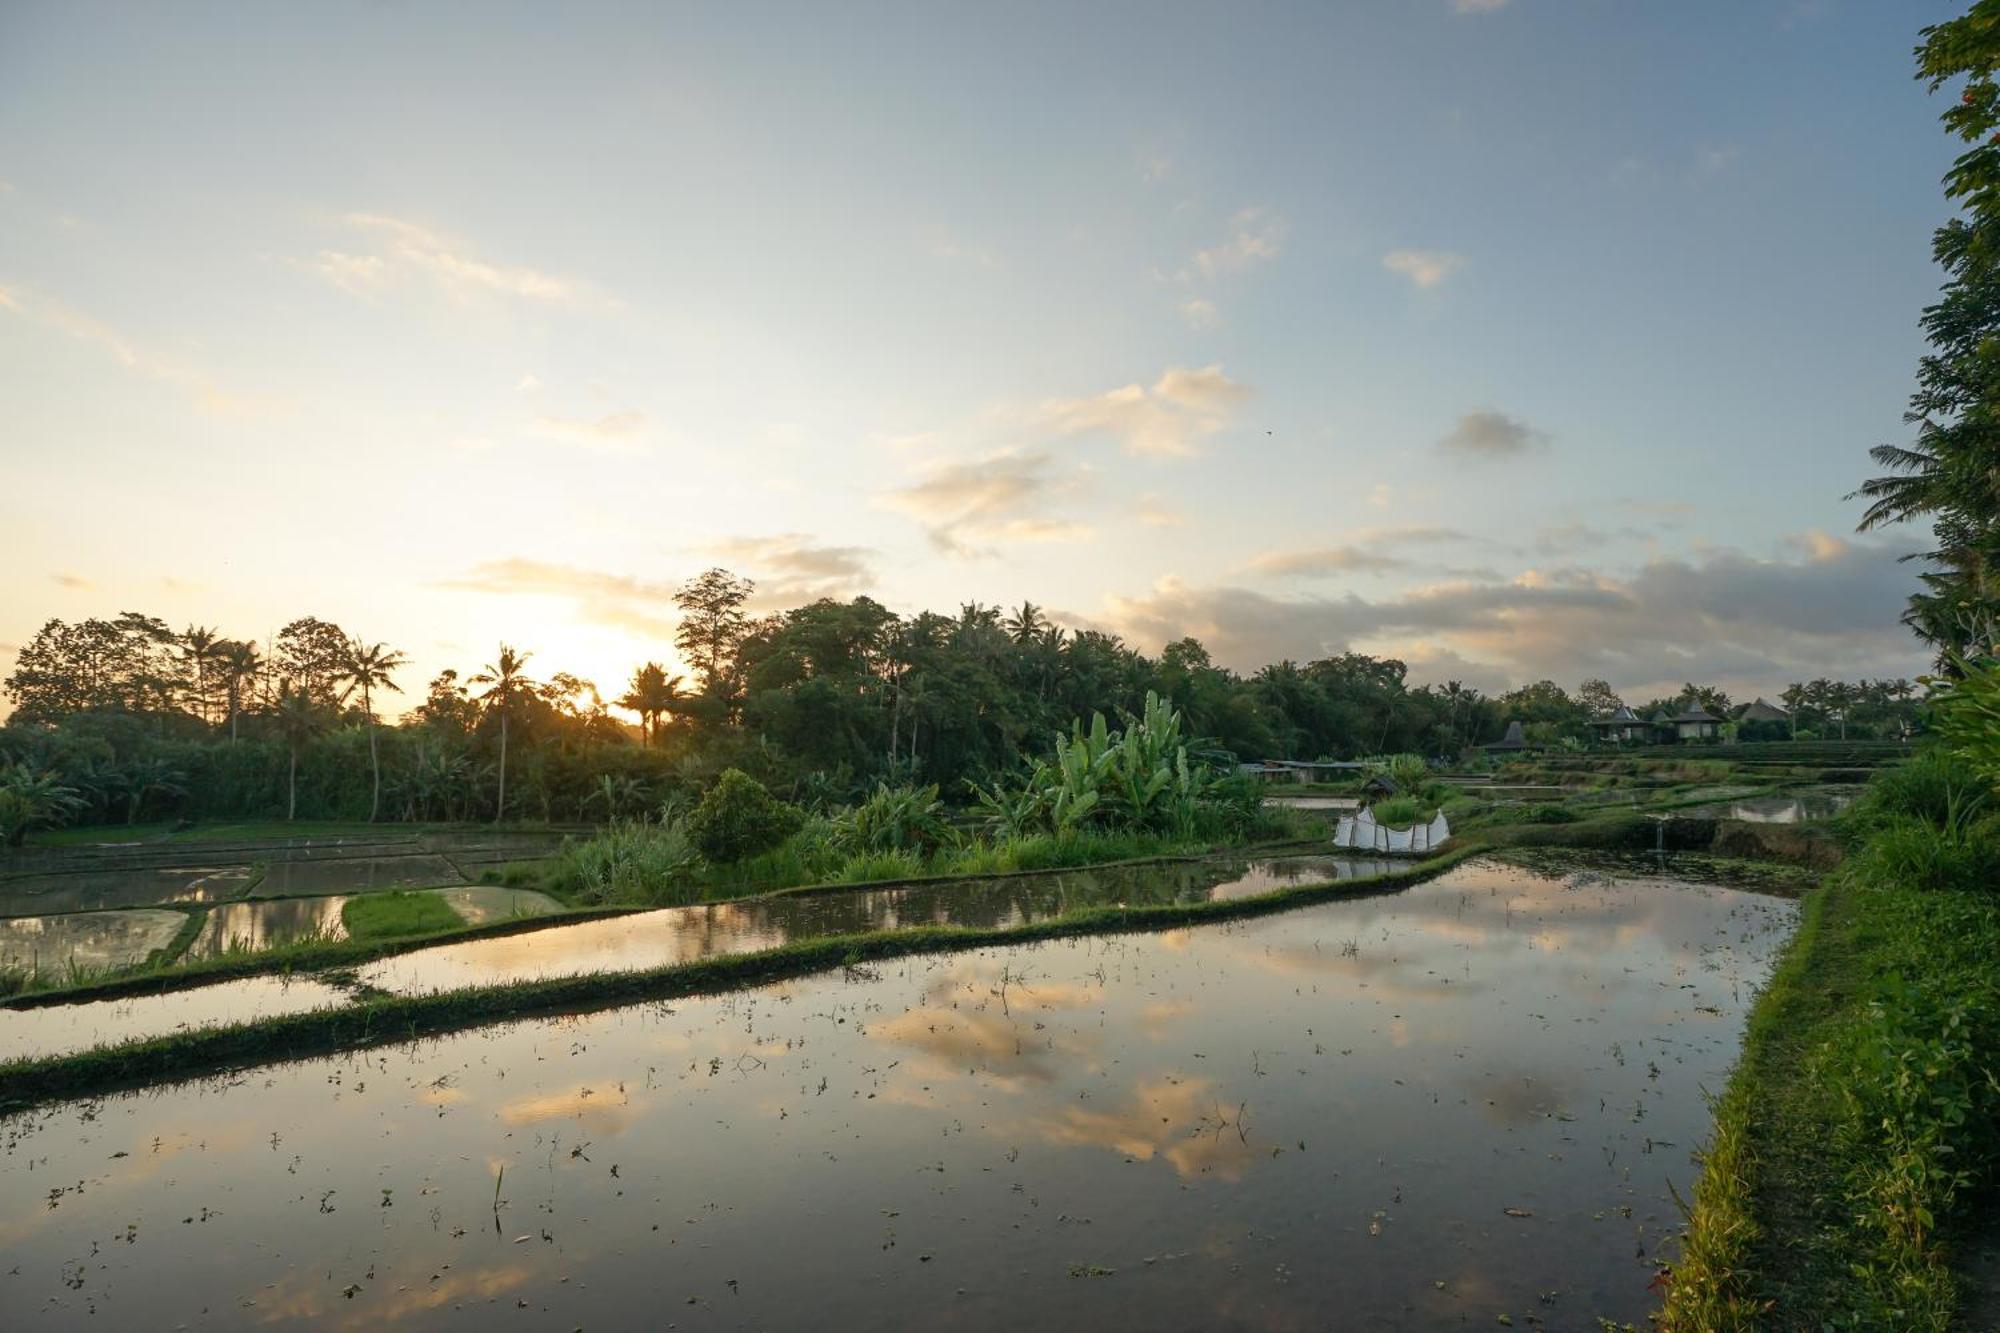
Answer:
(613, 433)
(1477, 6)
(597, 596)
(405, 248)
(1170, 419)
(1425, 268)
(1004, 497)
(1322, 560)
(1251, 237)
(1199, 312)
(792, 569)
(1156, 513)
(203, 389)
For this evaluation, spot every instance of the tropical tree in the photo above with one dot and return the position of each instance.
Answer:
(1025, 625)
(201, 648)
(1950, 473)
(506, 681)
(370, 667)
(142, 778)
(300, 717)
(240, 662)
(652, 694)
(31, 798)
(712, 625)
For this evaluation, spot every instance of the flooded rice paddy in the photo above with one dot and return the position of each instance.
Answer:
(1462, 1100)
(659, 938)
(91, 941)
(1793, 808)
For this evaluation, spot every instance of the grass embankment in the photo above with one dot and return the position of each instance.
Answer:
(398, 914)
(1855, 1147)
(263, 830)
(385, 1019)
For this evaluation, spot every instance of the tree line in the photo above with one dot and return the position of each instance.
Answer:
(823, 701)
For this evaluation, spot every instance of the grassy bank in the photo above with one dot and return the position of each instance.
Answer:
(1855, 1147)
(387, 1019)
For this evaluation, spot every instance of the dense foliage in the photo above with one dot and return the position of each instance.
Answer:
(1949, 475)
(126, 719)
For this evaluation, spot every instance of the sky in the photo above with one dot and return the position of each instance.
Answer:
(1513, 338)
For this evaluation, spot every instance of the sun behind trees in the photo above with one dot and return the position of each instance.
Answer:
(825, 701)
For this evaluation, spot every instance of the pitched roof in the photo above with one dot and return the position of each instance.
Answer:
(1513, 740)
(1694, 712)
(1623, 717)
(1763, 712)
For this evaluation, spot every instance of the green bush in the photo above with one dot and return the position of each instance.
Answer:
(897, 819)
(627, 861)
(738, 818)
(1913, 853)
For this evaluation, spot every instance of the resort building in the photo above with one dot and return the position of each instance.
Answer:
(1623, 727)
(1695, 723)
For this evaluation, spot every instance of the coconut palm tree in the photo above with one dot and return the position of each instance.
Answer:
(240, 664)
(504, 679)
(370, 667)
(200, 647)
(300, 718)
(1026, 624)
(652, 694)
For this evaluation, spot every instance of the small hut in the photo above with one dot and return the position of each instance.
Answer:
(1513, 743)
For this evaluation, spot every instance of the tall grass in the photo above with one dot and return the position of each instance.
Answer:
(1865, 1116)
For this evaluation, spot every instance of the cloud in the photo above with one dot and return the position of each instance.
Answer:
(1251, 238)
(1168, 420)
(613, 433)
(1477, 6)
(1199, 312)
(790, 570)
(1820, 607)
(1712, 158)
(942, 245)
(1425, 268)
(596, 595)
(66, 580)
(1002, 497)
(1323, 560)
(202, 389)
(1154, 512)
(1556, 538)
(407, 248)
(527, 384)
(1485, 434)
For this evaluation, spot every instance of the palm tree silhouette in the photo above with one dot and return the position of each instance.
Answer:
(369, 668)
(651, 695)
(299, 720)
(504, 680)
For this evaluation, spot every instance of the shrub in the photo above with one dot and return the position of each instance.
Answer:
(897, 819)
(738, 818)
(1397, 812)
(1909, 852)
(629, 860)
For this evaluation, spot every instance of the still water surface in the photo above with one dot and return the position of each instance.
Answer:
(650, 939)
(1418, 1109)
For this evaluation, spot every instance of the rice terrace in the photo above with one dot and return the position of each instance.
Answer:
(997, 667)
